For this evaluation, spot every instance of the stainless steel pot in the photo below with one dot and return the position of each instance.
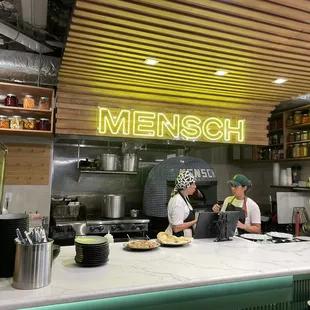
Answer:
(113, 206)
(130, 162)
(108, 162)
(134, 213)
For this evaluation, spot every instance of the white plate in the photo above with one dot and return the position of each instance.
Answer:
(280, 235)
(256, 237)
(141, 249)
(174, 244)
(303, 238)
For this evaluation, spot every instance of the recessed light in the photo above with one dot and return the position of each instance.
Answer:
(221, 72)
(151, 61)
(279, 81)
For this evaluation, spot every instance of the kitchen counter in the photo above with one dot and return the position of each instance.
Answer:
(202, 263)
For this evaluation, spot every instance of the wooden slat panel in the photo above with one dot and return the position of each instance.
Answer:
(256, 41)
(28, 164)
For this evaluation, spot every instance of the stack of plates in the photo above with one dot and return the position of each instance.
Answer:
(91, 251)
(8, 225)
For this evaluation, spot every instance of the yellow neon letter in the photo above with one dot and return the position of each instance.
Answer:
(173, 129)
(143, 123)
(237, 130)
(191, 128)
(109, 123)
(212, 124)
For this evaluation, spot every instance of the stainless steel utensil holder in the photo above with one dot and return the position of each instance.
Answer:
(33, 265)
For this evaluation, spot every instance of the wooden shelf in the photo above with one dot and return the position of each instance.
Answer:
(25, 132)
(300, 126)
(29, 112)
(294, 188)
(274, 145)
(298, 142)
(108, 172)
(275, 130)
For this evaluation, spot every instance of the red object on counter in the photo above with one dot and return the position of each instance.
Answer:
(297, 223)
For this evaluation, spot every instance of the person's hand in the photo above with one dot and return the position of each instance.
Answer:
(195, 221)
(240, 225)
(216, 208)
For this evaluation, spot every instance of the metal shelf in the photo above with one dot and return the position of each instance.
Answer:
(108, 172)
(294, 188)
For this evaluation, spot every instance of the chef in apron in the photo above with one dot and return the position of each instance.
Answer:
(250, 216)
(181, 215)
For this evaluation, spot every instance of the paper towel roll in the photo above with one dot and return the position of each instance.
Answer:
(283, 177)
(276, 173)
(289, 176)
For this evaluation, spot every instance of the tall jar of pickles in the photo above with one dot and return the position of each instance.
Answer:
(297, 118)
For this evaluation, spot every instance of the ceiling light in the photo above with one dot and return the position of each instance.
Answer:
(151, 61)
(221, 72)
(279, 81)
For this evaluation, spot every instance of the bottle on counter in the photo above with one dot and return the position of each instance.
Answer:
(109, 237)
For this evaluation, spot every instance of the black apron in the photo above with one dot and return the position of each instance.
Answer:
(190, 217)
(231, 207)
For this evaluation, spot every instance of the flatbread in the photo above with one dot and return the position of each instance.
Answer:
(166, 238)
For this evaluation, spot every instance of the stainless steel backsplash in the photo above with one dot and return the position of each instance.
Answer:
(90, 188)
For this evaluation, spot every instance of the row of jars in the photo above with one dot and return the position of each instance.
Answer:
(298, 150)
(276, 139)
(298, 118)
(298, 136)
(275, 124)
(30, 123)
(271, 154)
(28, 102)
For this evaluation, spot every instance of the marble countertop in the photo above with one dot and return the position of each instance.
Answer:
(203, 262)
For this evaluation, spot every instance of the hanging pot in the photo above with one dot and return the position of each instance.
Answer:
(130, 162)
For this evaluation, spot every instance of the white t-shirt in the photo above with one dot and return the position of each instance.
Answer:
(252, 209)
(178, 211)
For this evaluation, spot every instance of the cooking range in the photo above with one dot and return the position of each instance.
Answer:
(95, 226)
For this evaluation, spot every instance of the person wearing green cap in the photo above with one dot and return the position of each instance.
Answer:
(250, 216)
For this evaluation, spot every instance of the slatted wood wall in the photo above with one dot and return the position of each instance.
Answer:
(28, 164)
(255, 41)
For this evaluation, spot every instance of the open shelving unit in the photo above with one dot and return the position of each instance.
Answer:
(20, 91)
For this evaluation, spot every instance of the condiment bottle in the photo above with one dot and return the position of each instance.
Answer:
(109, 237)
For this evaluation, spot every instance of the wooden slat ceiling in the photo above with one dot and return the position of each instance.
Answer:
(256, 41)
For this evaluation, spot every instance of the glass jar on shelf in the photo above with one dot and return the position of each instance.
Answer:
(281, 154)
(275, 154)
(291, 137)
(305, 119)
(296, 151)
(298, 136)
(304, 135)
(4, 122)
(303, 150)
(281, 140)
(289, 151)
(44, 124)
(11, 101)
(44, 103)
(16, 122)
(297, 118)
(30, 123)
(289, 121)
(28, 102)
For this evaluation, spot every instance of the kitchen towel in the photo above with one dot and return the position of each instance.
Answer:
(276, 174)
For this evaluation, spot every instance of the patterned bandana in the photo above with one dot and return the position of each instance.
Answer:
(184, 180)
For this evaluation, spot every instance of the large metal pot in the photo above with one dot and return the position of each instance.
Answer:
(108, 162)
(113, 206)
(130, 162)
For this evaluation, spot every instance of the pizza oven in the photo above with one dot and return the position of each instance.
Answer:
(160, 183)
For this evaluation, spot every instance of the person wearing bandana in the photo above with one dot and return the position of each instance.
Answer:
(181, 215)
(250, 215)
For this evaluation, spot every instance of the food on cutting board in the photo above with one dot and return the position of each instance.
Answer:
(166, 238)
(142, 244)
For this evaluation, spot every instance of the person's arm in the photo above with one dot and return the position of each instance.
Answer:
(252, 228)
(180, 227)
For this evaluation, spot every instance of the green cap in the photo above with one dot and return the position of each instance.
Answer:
(239, 180)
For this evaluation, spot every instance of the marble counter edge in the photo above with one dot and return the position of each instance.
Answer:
(79, 296)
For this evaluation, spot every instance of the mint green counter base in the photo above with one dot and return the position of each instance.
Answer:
(283, 293)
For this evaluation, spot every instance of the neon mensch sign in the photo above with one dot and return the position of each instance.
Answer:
(159, 125)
